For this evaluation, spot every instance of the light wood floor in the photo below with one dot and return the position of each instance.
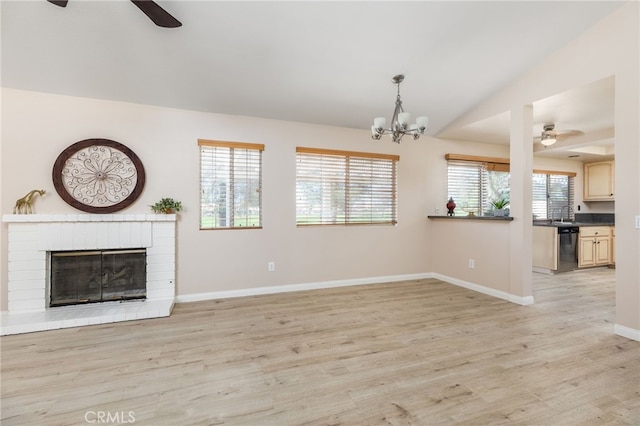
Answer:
(416, 352)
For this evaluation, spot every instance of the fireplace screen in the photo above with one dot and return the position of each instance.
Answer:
(97, 276)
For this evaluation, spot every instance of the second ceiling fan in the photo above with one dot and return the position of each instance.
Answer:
(157, 14)
(550, 136)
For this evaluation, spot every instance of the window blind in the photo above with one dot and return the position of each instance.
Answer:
(344, 187)
(552, 192)
(230, 185)
(466, 181)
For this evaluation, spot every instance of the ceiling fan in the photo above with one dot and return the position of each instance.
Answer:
(550, 136)
(157, 14)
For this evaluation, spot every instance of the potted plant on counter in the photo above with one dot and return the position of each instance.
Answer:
(499, 206)
(167, 206)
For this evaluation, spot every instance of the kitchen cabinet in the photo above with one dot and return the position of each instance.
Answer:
(599, 183)
(545, 247)
(613, 245)
(594, 246)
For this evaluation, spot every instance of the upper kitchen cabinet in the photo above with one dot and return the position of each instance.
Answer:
(599, 183)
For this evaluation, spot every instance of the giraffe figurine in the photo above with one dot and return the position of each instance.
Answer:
(24, 204)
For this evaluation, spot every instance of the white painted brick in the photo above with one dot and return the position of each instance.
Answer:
(20, 229)
(125, 235)
(27, 275)
(160, 267)
(160, 293)
(86, 231)
(146, 234)
(29, 294)
(163, 232)
(114, 235)
(91, 238)
(102, 235)
(78, 236)
(160, 250)
(23, 246)
(27, 284)
(66, 237)
(20, 256)
(162, 226)
(165, 258)
(160, 275)
(47, 232)
(27, 265)
(135, 238)
(161, 285)
(26, 305)
(164, 242)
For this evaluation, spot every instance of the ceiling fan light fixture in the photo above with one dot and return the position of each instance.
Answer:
(547, 139)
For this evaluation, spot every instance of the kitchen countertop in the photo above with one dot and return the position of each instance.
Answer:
(558, 224)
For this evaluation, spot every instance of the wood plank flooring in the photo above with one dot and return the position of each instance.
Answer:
(408, 353)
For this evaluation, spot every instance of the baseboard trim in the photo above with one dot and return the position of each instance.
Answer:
(628, 332)
(256, 291)
(524, 301)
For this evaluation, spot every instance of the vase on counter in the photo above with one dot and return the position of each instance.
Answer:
(451, 205)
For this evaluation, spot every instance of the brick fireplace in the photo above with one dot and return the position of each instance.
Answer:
(32, 239)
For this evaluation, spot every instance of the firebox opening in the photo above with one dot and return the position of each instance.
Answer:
(79, 277)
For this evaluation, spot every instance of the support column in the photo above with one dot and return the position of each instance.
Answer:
(521, 229)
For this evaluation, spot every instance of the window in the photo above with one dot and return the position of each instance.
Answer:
(344, 187)
(474, 182)
(474, 185)
(552, 192)
(230, 185)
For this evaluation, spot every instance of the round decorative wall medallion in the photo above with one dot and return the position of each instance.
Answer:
(98, 176)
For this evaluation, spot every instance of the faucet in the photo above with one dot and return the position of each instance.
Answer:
(569, 211)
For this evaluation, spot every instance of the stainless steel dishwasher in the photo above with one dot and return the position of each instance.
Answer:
(567, 248)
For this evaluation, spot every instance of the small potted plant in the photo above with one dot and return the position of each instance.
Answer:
(167, 206)
(499, 206)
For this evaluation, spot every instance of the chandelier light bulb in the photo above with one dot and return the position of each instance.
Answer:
(379, 123)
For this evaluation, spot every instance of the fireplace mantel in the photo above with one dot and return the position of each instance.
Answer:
(31, 238)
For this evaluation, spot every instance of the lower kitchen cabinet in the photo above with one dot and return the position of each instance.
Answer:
(594, 246)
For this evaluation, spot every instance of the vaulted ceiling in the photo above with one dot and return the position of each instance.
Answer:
(329, 63)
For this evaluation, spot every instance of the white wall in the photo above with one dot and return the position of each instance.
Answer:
(37, 127)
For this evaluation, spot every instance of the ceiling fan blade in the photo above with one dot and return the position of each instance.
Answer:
(568, 133)
(61, 3)
(157, 14)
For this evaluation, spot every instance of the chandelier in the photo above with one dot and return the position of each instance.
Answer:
(399, 122)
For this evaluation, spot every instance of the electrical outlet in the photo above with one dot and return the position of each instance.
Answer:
(472, 263)
(638, 222)
(271, 266)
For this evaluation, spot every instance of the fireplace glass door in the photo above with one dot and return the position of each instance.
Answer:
(97, 276)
